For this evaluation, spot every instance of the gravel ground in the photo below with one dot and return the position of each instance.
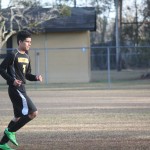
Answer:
(84, 120)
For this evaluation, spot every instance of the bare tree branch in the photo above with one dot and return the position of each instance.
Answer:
(26, 16)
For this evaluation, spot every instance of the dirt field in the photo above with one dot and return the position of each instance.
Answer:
(84, 120)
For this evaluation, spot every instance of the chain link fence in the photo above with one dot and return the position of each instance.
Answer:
(128, 67)
(109, 67)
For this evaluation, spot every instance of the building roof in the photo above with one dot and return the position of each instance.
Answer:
(81, 19)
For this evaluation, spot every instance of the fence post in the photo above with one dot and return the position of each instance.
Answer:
(37, 61)
(46, 65)
(108, 67)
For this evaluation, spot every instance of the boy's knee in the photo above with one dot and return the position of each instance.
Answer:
(33, 115)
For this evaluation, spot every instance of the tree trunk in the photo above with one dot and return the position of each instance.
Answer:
(75, 3)
(0, 32)
(1, 43)
(118, 35)
(0, 5)
(121, 41)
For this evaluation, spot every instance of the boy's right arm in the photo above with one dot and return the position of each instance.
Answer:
(3, 67)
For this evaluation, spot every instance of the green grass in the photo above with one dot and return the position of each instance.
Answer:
(99, 85)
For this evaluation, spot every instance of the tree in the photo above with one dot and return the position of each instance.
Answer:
(26, 15)
(136, 23)
(102, 10)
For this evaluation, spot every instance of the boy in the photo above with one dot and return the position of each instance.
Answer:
(15, 69)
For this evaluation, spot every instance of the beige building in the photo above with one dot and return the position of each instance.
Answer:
(62, 53)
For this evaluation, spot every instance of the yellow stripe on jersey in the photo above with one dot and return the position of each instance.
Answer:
(23, 60)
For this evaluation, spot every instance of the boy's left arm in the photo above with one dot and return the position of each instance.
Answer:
(32, 77)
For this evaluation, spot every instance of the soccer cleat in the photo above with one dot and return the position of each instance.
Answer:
(11, 136)
(5, 147)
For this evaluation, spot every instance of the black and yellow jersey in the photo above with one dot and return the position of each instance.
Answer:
(16, 66)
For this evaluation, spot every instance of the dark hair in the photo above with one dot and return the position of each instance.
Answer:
(22, 35)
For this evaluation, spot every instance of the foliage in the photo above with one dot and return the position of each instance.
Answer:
(64, 10)
(102, 6)
(136, 28)
(26, 3)
(102, 10)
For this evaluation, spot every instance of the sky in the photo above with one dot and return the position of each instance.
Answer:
(85, 3)
(79, 2)
(6, 2)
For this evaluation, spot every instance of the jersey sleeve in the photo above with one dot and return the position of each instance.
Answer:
(4, 65)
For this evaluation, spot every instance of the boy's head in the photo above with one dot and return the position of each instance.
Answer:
(24, 40)
(22, 35)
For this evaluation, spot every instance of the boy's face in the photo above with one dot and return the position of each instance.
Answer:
(25, 45)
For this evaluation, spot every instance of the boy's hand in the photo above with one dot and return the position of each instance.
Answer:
(17, 82)
(39, 78)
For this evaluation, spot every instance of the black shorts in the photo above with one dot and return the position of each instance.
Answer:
(22, 104)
